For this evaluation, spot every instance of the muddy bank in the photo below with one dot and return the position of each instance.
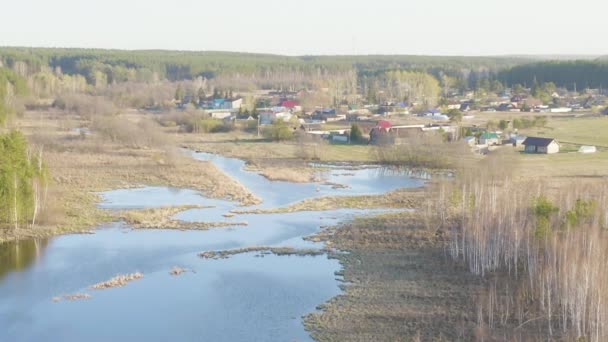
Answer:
(403, 198)
(400, 285)
(163, 218)
(263, 250)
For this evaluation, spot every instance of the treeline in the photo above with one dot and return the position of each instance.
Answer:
(573, 75)
(115, 66)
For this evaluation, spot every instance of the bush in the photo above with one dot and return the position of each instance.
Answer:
(205, 125)
(356, 135)
(278, 131)
(224, 127)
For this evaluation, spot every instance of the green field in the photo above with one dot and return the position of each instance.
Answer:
(580, 131)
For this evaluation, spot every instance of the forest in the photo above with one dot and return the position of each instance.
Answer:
(574, 75)
(115, 66)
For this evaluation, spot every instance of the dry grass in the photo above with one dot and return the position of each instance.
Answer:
(260, 149)
(282, 170)
(162, 218)
(117, 281)
(80, 167)
(403, 198)
(400, 285)
(263, 250)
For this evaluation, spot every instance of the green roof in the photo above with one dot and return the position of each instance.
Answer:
(487, 135)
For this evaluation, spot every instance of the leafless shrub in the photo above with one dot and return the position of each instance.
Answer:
(85, 106)
(309, 147)
(144, 134)
(420, 150)
(547, 246)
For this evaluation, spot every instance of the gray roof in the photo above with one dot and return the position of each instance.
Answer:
(535, 141)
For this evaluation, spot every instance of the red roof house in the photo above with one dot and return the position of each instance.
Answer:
(289, 104)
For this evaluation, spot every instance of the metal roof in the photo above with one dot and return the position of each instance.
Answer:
(535, 141)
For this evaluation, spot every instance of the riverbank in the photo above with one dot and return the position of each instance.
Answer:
(277, 161)
(82, 165)
(399, 285)
(398, 199)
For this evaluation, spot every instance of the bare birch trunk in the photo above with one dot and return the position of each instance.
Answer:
(16, 218)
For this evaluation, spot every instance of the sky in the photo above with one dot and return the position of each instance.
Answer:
(313, 27)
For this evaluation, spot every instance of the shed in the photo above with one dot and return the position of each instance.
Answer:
(587, 149)
(541, 145)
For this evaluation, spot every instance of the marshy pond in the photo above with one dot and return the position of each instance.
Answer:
(246, 297)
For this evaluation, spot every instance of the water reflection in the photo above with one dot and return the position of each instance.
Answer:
(19, 255)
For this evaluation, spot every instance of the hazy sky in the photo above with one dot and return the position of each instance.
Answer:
(435, 27)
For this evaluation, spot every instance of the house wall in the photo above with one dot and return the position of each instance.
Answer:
(553, 148)
(490, 141)
(236, 104)
(530, 149)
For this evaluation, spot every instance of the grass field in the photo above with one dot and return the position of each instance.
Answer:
(580, 131)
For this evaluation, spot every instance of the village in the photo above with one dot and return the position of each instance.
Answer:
(483, 120)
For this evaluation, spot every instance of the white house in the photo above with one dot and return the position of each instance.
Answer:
(235, 103)
(220, 114)
(269, 117)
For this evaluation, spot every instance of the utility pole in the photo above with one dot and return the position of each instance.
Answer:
(258, 125)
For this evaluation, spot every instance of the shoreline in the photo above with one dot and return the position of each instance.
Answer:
(398, 284)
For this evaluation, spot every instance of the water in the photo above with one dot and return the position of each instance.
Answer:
(367, 181)
(243, 298)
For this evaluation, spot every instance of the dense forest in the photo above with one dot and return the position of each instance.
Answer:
(98, 68)
(115, 66)
(574, 75)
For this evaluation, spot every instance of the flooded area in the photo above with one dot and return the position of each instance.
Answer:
(247, 297)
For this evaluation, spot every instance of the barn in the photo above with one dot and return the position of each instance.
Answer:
(541, 145)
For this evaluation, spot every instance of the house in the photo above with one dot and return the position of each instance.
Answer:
(292, 105)
(465, 107)
(328, 115)
(268, 118)
(341, 138)
(219, 114)
(440, 117)
(561, 110)
(235, 103)
(517, 140)
(541, 145)
(471, 141)
(384, 125)
(488, 138)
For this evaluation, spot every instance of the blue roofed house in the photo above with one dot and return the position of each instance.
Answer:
(541, 145)
(221, 103)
